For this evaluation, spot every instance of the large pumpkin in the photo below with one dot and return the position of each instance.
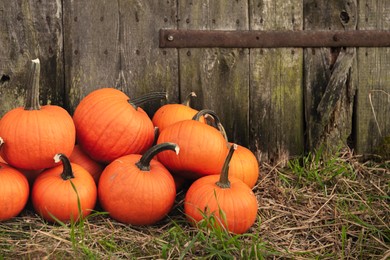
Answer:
(171, 113)
(65, 192)
(137, 189)
(203, 148)
(31, 135)
(230, 201)
(14, 193)
(108, 126)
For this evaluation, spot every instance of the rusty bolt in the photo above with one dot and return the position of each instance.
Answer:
(170, 38)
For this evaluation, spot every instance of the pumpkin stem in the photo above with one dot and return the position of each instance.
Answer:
(207, 113)
(217, 125)
(67, 172)
(144, 163)
(224, 182)
(136, 102)
(187, 100)
(156, 133)
(32, 97)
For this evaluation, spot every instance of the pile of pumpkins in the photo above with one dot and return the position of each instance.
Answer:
(113, 153)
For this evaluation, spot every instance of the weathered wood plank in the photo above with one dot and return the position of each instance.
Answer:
(218, 76)
(116, 45)
(328, 88)
(276, 94)
(29, 30)
(372, 78)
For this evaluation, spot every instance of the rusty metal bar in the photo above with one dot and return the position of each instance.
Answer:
(272, 39)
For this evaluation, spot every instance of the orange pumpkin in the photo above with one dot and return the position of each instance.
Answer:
(171, 113)
(79, 157)
(202, 148)
(14, 192)
(31, 135)
(58, 192)
(228, 199)
(31, 175)
(137, 189)
(244, 166)
(108, 126)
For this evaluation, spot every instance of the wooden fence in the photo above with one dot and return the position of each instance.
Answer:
(277, 101)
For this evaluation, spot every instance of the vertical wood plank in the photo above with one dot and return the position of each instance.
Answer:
(276, 94)
(372, 124)
(29, 30)
(115, 44)
(329, 90)
(218, 76)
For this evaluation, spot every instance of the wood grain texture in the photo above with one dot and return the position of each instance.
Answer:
(328, 89)
(29, 30)
(218, 76)
(115, 44)
(372, 124)
(272, 100)
(276, 94)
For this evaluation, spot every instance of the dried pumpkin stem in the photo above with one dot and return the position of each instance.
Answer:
(187, 100)
(224, 182)
(67, 172)
(210, 114)
(144, 163)
(136, 102)
(32, 98)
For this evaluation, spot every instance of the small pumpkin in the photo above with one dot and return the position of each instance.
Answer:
(228, 199)
(31, 135)
(65, 192)
(14, 192)
(171, 113)
(202, 147)
(81, 158)
(137, 189)
(109, 126)
(244, 164)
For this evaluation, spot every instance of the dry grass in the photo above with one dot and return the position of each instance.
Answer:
(337, 209)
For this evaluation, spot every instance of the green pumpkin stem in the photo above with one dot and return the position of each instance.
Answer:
(32, 97)
(136, 102)
(144, 163)
(216, 122)
(224, 182)
(67, 172)
(187, 100)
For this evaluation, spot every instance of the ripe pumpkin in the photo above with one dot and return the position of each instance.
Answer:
(81, 158)
(137, 189)
(57, 192)
(14, 192)
(202, 148)
(244, 166)
(31, 135)
(228, 199)
(31, 175)
(171, 113)
(108, 126)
